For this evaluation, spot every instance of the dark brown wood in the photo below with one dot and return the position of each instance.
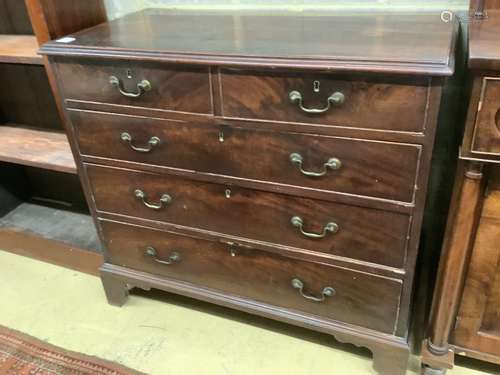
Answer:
(14, 18)
(52, 19)
(376, 169)
(482, 356)
(390, 355)
(484, 51)
(19, 49)
(173, 88)
(466, 302)
(26, 97)
(116, 290)
(317, 129)
(359, 298)
(371, 42)
(485, 5)
(486, 135)
(226, 135)
(59, 253)
(365, 234)
(456, 252)
(478, 319)
(387, 359)
(36, 148)
(370, 102)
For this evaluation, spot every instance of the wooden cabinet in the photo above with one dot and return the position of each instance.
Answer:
(478, 319)
(227, 158)
(466, 306)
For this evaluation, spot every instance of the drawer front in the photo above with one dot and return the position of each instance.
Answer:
(357, 298)
(170, 88)
(375, 169)
(353, 232)
(487, 128)
(398, 104)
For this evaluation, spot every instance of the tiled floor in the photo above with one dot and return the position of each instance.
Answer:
(165, 334)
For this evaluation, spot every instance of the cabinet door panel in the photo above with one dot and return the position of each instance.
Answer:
(478, 321)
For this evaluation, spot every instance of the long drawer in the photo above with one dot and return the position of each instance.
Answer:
(137, 84)
(395, 104)
(326, 291)
(360, 167)
(309, 225)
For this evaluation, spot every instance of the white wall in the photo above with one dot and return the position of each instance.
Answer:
(116, 8)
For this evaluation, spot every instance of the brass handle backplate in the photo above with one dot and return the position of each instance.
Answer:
(327, 291)
(153, 142)
(172, 258)
(332, 163)
(142, 87)
(165, 199)
(337, 98)
(330, 227)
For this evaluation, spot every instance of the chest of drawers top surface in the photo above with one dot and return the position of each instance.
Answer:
(379, 42)
(484, 49)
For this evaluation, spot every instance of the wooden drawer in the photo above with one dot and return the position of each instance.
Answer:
(398, 104)
(486, 138)
(375, 169)
(358, 298)
(172, 88)
(366, 234)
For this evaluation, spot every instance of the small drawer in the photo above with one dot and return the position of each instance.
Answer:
(486, 137)
(325, 291)
(136, 84)
(306, 225)
(398, 104)
(369, 168)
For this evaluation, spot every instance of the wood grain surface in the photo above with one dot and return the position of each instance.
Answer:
(361, 299)
(376, 169)
(371, 102)
(359, 42)
(486, 137)
(484, 50)
(365, 234)
(173, 88)
(36, 148)
(20, 49)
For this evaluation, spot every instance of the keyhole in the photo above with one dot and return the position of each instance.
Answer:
(228, 193)
(316, 85)
(129, 74)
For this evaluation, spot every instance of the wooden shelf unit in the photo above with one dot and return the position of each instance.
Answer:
(43, 210)
(19, 49)
(36, 148)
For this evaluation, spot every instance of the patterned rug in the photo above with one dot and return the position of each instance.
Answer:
(21, 354)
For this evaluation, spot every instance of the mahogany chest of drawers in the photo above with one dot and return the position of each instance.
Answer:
(276, 164)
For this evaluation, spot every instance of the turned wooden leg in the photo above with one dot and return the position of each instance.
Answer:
(390, 360)
(116, 290)
(426, 370)
(462, 223)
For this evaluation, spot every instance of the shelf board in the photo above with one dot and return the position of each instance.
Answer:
(36, 148)
(19, 49)
(57, 224)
